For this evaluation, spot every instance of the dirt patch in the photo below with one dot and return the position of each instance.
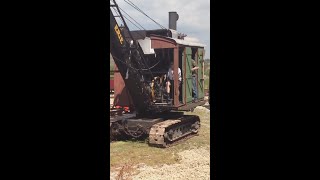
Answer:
(123, 173)
(194, 164)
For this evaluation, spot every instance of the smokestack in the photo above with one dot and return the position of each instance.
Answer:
(173, 18)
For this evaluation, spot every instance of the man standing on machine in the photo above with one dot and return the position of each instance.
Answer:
(170, 81)
(194, 80)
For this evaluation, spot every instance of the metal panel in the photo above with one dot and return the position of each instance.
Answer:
(200, 63)
(161, 43)
(145, 44)
(176, 84)
(187, 81)
(121, 94)
(111, 84)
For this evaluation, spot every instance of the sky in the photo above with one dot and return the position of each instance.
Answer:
(194, 17)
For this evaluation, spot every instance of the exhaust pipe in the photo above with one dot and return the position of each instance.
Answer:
(173, 18)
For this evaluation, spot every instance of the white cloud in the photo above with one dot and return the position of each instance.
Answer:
(194, 16)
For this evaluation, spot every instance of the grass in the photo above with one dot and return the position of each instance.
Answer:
(133, 152)
(206, 84)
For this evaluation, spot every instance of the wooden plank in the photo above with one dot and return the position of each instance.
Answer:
(188, 80)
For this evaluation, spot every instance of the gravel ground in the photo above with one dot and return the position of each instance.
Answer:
(194, 164)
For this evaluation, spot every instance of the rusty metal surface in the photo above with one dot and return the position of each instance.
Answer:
(111, 84)
(121, 95)
(158, 42)
(157, 131)
(180, 140)
(172, 131)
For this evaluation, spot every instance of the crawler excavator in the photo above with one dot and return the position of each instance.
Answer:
(156, 118)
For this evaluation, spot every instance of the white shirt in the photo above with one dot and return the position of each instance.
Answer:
(170, 74)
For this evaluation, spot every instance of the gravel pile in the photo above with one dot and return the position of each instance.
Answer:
(205, 116)
(201, 109)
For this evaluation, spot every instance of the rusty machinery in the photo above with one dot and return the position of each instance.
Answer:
(142, 59)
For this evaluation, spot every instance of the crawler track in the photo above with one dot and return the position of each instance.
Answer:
(167, 133)
(172, 131)
(179, 141)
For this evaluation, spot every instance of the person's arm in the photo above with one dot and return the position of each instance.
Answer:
(195, 67)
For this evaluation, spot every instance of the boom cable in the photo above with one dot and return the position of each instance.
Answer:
(138, 9)
(132, 18)
(129, 21)
(134, 25)
(114, 9)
